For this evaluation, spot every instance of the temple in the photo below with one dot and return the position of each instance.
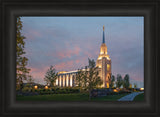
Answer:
(67, 79)
(104, 64)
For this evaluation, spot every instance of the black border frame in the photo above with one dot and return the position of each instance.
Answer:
(12, 8)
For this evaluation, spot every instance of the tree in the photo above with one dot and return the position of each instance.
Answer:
(93, 78)
(130, 86)
(119, 81)
(135, 85)
(21, 60)
(126, 81)
(79, 78)
(30, 80)
(111, 85)
(84, 78)
(51, 76)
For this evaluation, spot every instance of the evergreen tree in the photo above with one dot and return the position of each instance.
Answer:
(119, 81)
(126, 81)
(135, 85)
(21, 60)
(51, 76)
(30, 80)
(111, 85)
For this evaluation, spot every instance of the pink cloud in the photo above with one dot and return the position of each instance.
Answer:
(38, 73)
(77, 61)
(64, 65)
(68, 53)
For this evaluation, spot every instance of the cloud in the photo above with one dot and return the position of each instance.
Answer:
(68, 53)
(32, 34)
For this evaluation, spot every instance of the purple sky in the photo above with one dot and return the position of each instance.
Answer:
(68, 42)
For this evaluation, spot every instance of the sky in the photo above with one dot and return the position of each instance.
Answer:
(68, 42)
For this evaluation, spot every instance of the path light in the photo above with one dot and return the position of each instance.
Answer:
(115, 90)
(36, 87)
(141, 89)
(46, 87)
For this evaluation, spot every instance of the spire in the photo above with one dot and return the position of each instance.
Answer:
(103, 35)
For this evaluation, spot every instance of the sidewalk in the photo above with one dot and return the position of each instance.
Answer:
(130, 97)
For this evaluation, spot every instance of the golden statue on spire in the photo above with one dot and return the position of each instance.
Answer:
(103, 27)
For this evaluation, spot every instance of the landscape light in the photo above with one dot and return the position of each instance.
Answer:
(115, 90)
(36, 87)
(46, 87)
(141, 89)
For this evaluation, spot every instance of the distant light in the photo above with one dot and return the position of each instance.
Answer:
(46, 87)
(115, 90)
(141, 89)
(36, 87)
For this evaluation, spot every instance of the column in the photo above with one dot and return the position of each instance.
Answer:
(58, 80)
(63, 80)
(67, 80)
(60, 83)
(71, 80)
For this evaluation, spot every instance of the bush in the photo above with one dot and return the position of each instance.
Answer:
(114, 93)
(67, 90)
(42, 92)
(36, 90)
(25, 89)
(17, 87)
(52, 89)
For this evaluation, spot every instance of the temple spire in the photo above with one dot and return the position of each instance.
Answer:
(103, 35)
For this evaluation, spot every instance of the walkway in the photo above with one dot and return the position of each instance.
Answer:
(130, 97)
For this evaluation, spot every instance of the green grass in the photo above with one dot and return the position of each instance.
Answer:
(68, 97)
(139, 97)
(54, 97)
(109, 97)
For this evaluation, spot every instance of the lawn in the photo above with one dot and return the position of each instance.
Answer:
(68, 97)
(139, 97)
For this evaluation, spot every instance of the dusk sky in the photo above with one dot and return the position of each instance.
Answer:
(68, 42)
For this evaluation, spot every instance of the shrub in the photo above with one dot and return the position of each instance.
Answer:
(17, 87)
(25, 89)
(36, 90)
(60, 91)
(52, 89)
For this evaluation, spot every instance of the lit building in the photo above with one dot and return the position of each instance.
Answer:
(104, 64)
(67, 79)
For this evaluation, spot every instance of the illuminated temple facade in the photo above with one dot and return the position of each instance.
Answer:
(68, 79)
